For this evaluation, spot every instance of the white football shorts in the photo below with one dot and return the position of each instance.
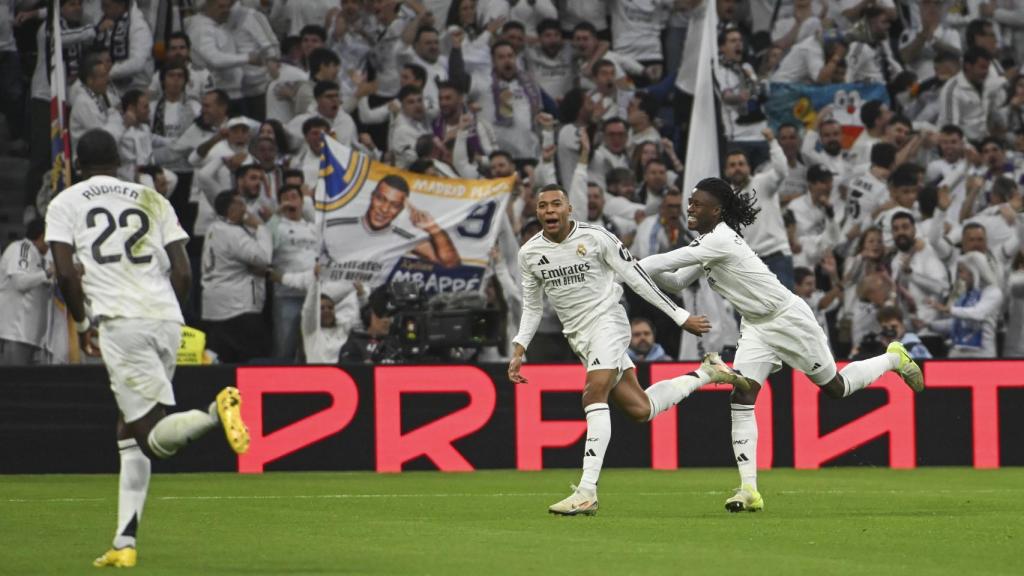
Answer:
(603, 344)
(794, 337)
(140, 355)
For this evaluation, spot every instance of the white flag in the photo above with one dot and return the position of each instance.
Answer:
(702, 142)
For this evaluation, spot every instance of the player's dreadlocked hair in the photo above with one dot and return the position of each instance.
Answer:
(738, 210)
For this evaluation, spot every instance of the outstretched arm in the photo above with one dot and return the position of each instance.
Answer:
(678, 280)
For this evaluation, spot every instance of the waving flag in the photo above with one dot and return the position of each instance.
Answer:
(380, 224)
(60, 141)
(702, 142)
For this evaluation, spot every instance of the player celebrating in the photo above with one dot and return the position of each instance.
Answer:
(575, 264)
(132, 250)
(777, 326)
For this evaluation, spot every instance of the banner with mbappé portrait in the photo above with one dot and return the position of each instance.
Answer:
(380, 224)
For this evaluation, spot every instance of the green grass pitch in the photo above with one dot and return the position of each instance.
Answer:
(832, 521)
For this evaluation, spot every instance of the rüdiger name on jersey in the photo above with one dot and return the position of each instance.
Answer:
(119, 230)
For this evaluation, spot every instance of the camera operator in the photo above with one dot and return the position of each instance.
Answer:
(373, 345)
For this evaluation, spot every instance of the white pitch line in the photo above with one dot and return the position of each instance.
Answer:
(501, 495)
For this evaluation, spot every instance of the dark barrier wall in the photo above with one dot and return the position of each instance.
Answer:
(393, 418)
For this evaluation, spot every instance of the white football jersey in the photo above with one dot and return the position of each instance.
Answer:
(118, 230)
(866, 194)
(579, 277)
(732, 269)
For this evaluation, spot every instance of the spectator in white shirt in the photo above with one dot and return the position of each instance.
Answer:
(1014, 347)
(135, 146)
(217, 169)
(825, 146)
(478, 138)
(800, 25)
(124, 32)
(253, 35)
(819, 301)
(588, 49)
(610, 95)
(904, 186)
(636, 32)
(302, 14)
(92, 108)
(871, 58)
(972, 311)
(919, 45)
(425, 52)
(817, 229)
(193, 145)
(327, 105)
(308, 158)
(664, 231)
(236, 255)
(296, 242)
(25, 294)
(510, 100)
(969, 100)
(576, 114)
(795, 184)
(612, 151)
(767, 235)
(393, 19)
(171, 114)
(409, 125)
(950, 168)
(179, 52)
(324, 66)
(811, 62)
(868, 190)
(741, 93)
(576, 12)
(216, 49)
(875, 116)
(250, 182)
(918, 272)
(623, 228)
(551, 60)
(325, 319)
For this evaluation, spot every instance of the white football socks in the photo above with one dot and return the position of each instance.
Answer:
(860, 374)
(667, 393)
(599, 433)
(176, 430)
(131, 494)
(744, 442)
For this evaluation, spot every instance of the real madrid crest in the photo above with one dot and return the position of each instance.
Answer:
(581, 250)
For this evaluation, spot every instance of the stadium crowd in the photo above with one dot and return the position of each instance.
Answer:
(912, 232)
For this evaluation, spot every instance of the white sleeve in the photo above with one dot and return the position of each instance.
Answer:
(367, 115)
(533, 304)
(206, 47)
(627, 267)
(60, 226)
(692, 255)
(170, 228)
(987, 307)
(679, 280)
(578, 192)
(207, 178)
(460, 158)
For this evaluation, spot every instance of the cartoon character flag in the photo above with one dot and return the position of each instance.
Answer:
(800, 104)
